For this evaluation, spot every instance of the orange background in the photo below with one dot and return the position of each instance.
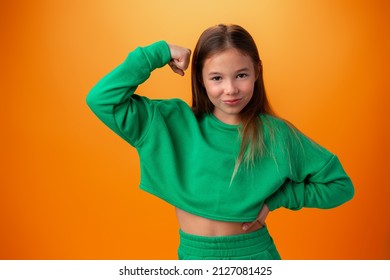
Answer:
(69, 186)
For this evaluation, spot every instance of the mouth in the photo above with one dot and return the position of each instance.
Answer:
(232, 101)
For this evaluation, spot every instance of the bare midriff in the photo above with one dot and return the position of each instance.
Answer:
(197, 225)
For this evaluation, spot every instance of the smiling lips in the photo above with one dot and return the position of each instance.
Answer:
(232, 101)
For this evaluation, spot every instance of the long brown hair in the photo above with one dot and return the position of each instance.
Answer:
(215, 40)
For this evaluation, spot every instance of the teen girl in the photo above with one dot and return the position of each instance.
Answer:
(225, 162)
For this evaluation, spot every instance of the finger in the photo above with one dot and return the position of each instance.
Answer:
(181, 63)
(173, 64)
(176, 69)
(186, 60)
(180, 56)
(247, 226)
(261, 223)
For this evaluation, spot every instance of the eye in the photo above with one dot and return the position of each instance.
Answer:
(216, 78)
(242, 75)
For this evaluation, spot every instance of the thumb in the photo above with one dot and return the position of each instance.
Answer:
(176, 68)
(180, 64)
(247, 226)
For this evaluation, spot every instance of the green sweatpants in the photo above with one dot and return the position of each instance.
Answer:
(257, 245)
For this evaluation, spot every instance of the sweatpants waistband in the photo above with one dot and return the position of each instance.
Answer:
(240, 245)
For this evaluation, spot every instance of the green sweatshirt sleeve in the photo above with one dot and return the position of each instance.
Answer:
(317, 178)
(113, 100)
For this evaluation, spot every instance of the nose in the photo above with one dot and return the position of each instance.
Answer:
(230, 87)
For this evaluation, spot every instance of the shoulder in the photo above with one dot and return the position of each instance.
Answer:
(276, 125)
(282, 132)
(286, 142)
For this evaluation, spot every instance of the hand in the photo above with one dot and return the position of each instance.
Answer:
(259, 220)
(180, 59)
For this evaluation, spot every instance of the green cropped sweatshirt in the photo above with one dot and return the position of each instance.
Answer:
(189, 161)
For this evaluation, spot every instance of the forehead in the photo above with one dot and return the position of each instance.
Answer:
(228, 59)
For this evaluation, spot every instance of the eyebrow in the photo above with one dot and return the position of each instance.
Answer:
(239, 70)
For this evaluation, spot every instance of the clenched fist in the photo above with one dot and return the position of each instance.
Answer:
(180, 59)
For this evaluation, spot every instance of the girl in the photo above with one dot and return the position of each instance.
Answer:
(227, 161)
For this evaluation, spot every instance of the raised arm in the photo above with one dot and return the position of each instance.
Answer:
(113, 98)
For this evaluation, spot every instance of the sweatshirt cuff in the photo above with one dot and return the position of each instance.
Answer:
(157, 54)
(275, 201)
(272, 205)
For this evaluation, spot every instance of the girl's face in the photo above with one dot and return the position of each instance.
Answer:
(229, 79)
